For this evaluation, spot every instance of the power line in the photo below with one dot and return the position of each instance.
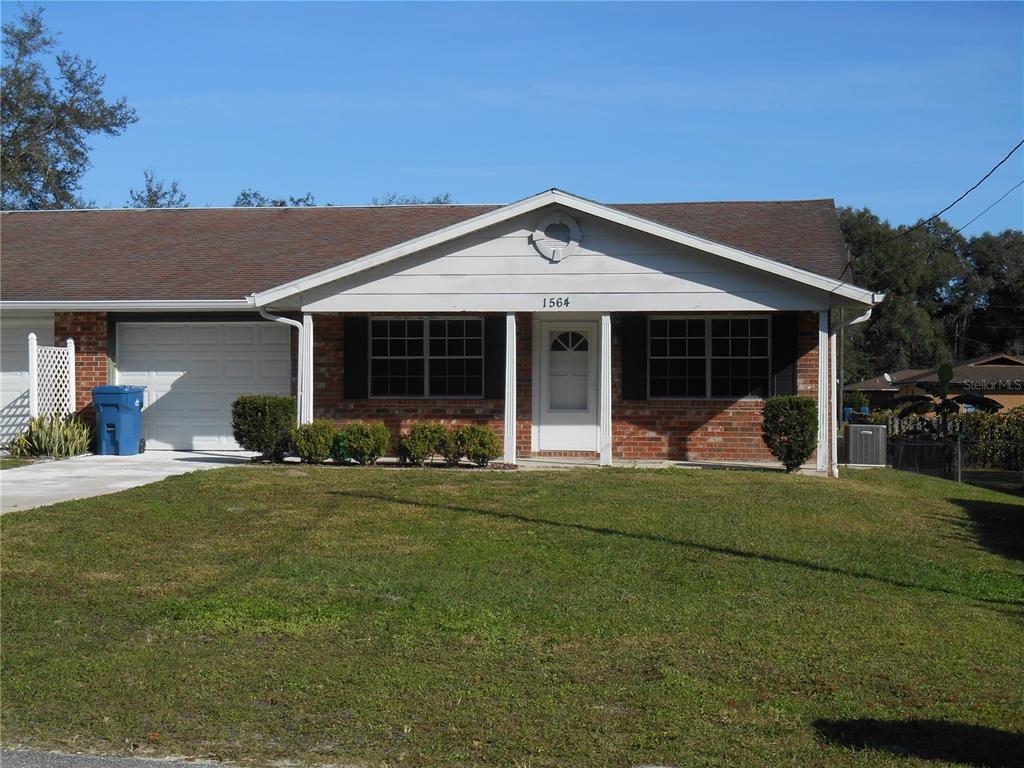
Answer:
(930, 219)
(997, 202)
(849, 262)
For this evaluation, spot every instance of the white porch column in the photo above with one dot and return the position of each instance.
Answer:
(72, 397)
(833, 412)
(33, 377)
(605, 416)
(823, 390)
(510, 388)
(306, 385)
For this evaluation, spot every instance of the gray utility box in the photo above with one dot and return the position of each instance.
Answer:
(865, 444)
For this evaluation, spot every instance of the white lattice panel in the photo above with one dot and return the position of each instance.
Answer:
(51, 379)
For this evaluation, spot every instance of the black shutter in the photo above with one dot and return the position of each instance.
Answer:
(784, 353)
(494, 357)
(633, 340)
(357, 357)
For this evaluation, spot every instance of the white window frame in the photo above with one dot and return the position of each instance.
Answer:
(707, 318)
(425, 319)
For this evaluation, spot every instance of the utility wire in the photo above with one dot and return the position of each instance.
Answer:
(930, 219)
(849, 263)
(997, 202)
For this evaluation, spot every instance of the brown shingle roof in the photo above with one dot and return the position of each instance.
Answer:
(228, 253)
(990, 369)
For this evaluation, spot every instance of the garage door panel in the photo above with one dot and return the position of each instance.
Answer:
(14, 331)
(165, 335)
(277, 336)
(276, 368)
(203, 335)
(243, 336)
(194, 371)
(239, 369)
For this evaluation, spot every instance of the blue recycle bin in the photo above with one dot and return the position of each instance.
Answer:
(118, 419)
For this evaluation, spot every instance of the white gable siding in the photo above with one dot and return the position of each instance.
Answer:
(614, 269)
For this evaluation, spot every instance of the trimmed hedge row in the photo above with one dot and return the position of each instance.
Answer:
(266, 424)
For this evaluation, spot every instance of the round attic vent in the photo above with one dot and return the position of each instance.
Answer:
(557, 236)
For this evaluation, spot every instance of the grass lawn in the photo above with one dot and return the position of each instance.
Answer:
(10, 462)
(590, 618)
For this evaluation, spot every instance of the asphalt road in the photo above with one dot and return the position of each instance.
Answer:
(16, 758)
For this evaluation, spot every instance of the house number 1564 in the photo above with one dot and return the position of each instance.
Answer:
(556, 302)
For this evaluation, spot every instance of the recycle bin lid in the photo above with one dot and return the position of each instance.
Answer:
(117, 389)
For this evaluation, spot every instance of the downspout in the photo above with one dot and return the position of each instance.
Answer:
(838, 381)
(300, 380)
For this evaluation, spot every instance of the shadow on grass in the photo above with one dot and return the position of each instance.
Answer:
(997, 526)
(1018, 605)
(973, 745)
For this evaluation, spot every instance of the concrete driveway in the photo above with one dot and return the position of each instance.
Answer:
(17, 758)
(48, 482)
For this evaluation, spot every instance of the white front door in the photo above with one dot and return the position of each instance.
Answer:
(568, 407)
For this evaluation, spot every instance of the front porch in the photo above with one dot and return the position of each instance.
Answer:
(595, 388)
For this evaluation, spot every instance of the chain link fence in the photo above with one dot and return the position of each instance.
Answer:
(999, 465)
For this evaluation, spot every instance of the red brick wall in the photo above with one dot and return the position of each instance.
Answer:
(399, 414)
(692, 430)
(696, 430)
(89, 331)
(702, 430)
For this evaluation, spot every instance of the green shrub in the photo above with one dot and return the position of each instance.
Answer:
(54, 436)
(365, 443)
(313, 441)
(479, 444)
(451, 448)
(855, 399)
(338, 450)
(263, 423)
(422, 442)
(790, 429)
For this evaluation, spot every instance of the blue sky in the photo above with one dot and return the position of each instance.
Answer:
(898, 107)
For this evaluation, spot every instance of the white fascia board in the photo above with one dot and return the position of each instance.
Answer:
(130, 305)
(558, 197)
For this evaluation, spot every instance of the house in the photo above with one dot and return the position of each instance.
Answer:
(998, 377)
(882, 390)
(572, 328)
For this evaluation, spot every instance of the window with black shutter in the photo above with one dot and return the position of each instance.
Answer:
(426, 357)
(708, 357)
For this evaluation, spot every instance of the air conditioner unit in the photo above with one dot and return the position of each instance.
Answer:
(865, 444)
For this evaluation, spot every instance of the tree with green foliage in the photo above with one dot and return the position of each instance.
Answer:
(251, 198)
(947, 297)
(46, 125)
(156, 194)
(393, 198)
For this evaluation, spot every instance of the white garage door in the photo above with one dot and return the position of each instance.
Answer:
(193, 372)
(14, 331)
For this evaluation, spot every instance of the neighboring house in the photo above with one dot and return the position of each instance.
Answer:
(998, 377)
(882, 390)
(647, 331)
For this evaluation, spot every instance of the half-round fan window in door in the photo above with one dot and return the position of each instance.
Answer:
(568, 371)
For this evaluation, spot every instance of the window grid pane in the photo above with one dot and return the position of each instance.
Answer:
(739, 357)
(396, 358)
(456, 357)
(403, 350)
(718, 357)
(677, 367)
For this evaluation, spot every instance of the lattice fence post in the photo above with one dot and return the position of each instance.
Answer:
(33, 377)
(72, 397)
